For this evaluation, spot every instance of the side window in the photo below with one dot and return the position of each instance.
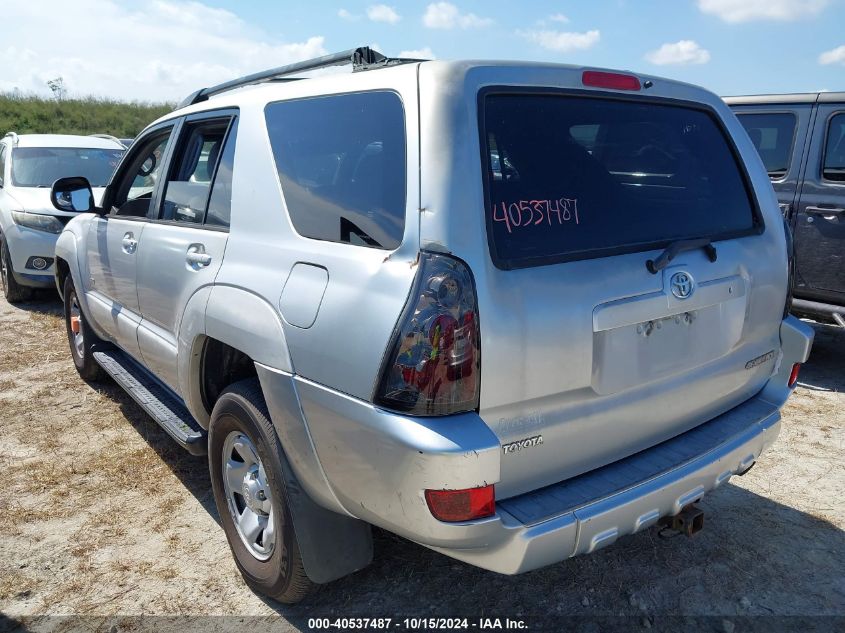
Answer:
(187, 191)
(341, 164)
(138, 179)
(220, 203)
(834, 152)
(2, 163)
(773, 135)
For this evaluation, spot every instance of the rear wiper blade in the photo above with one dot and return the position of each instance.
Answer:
(676, 248)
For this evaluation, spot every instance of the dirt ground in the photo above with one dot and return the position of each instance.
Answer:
(103, 515)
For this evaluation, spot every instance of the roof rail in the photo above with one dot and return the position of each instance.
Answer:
(361, 58)
(108, 137)
(14, 136)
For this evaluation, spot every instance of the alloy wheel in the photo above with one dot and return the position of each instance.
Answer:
(248, 495)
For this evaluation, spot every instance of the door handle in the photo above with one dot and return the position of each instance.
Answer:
(129, 243)
(197, 257)
(824, 210)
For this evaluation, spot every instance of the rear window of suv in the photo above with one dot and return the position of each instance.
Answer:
(571, 177)
(341, 164)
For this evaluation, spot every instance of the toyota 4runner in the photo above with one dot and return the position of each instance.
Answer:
(509, 311)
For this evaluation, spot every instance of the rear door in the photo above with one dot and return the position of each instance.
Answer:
(779, 132)
(820, 219)
(185, 241)
(583, 344)
(114, 239)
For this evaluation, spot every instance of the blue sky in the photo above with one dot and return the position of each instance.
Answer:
(163, 49)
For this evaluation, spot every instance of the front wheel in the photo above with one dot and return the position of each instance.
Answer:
(12, 290)
(80, 336)
(245, 462)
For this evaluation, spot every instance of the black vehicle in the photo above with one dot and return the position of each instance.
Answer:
(801, 139)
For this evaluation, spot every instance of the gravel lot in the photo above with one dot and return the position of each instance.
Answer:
(104, 516)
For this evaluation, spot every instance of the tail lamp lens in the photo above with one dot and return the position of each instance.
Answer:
(432, 367)
(793, 376)
(461, 505)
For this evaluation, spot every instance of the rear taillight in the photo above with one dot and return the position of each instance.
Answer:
(616, 81)
(793, 376)
(434, 360)
(461, 505)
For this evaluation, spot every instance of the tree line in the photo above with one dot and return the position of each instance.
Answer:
(27, 114)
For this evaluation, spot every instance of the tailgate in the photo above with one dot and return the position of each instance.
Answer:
(582, 345)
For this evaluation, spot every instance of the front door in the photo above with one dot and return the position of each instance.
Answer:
(114, 239)
(820, 221)
(185, 240)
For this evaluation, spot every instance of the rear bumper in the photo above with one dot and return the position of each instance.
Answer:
(592, 511)
(375, 465)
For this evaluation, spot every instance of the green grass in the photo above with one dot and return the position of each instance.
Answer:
(34, 115)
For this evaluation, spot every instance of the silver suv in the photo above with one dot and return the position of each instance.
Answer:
(509, 311)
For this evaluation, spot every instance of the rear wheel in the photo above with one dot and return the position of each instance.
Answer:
(80, 336)
(246, 476)
(12, 290)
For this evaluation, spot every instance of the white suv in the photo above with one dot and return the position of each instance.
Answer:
(29, 223)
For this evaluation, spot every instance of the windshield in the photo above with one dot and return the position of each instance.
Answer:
(42, 166)
(580, 177)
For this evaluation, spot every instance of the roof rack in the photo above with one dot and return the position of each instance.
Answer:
(108, 137)
(361, 58)
(14, 136)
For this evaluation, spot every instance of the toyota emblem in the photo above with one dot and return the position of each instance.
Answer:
(682, 285)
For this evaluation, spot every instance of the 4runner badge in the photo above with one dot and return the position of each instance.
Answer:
(754, 362)
(528, 442)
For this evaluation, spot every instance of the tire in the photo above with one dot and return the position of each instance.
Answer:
(12, 290)
(81, 350)
(270, 566)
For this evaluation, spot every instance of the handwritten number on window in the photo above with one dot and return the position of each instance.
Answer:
(528, 213)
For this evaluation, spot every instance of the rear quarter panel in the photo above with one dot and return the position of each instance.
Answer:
(366, 289)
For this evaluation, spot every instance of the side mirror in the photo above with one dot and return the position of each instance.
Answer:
(72, 194)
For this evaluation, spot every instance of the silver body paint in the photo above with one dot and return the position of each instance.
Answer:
(583, 363)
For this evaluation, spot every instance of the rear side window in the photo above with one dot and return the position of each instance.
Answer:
(2, 163)
(189, 186)
(834, 153)
(220, 204)
(773, 135)
(581, 177)
(341, 164)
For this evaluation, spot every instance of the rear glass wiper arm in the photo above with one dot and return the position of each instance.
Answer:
(676, 248)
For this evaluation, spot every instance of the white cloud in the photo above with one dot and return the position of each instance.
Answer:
(346, 15)
(151, 50)
(419, 53)
(562, 42)
(444, 15)
(747, 10)
(682, 52)
(383, 13)
(833, 56)
(559, 17)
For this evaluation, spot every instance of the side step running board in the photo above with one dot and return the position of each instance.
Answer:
(164, 407)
